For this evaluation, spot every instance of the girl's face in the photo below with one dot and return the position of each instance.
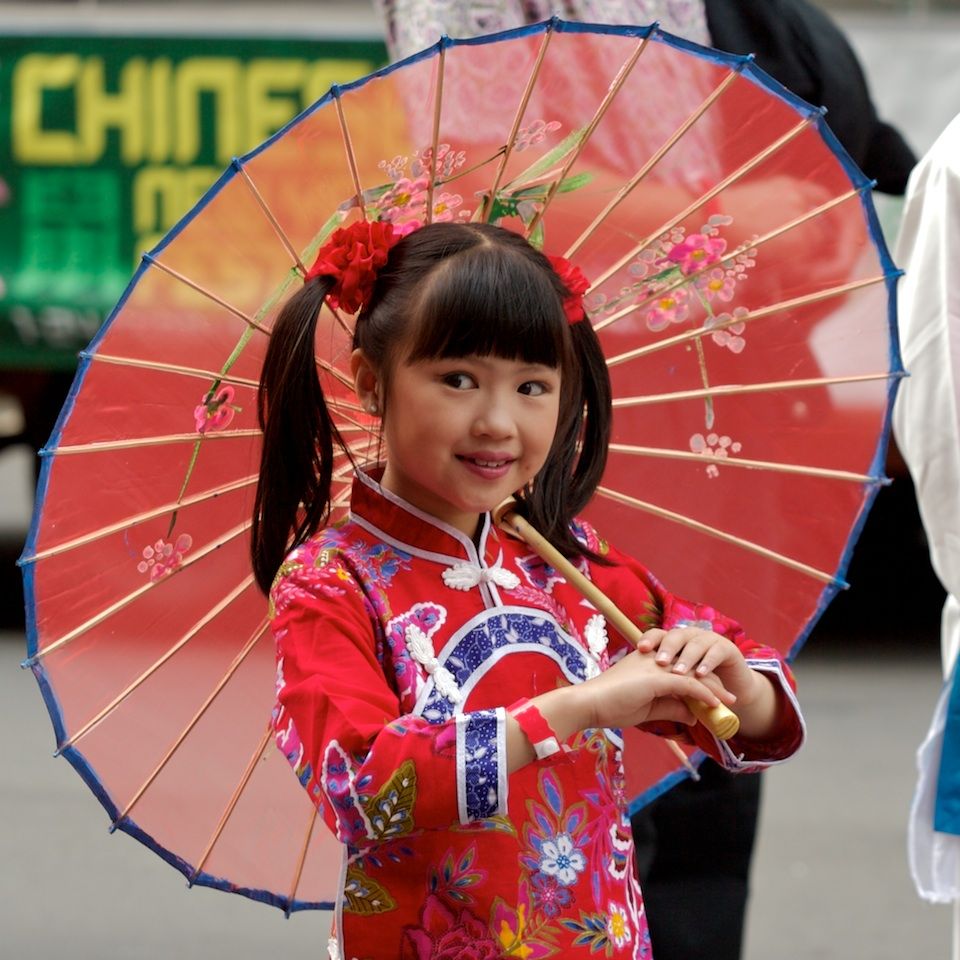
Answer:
(464, 434)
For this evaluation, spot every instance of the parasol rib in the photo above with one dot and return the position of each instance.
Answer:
(302, 859)
(344, 326)
(209, 294)
(629, 186)
(435, 140)
(133, 442)
(729, 390)
(268, 213)
(254, 324)
(169, 368)
(351, 156)
(746, 247)
(794, 468)
(208, 374)
(231, 670)
(210, 494)
(518, 119)
(125, 601)
(748, 545)
(738, 174)
(743, 318)
(615, 88)
(210, 615)
(681, 755)
(231, 805)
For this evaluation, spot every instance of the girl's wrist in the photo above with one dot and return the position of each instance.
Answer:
(757, 710)
(566, 709)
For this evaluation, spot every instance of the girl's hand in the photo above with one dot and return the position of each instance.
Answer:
(637, 689)
(719, 664)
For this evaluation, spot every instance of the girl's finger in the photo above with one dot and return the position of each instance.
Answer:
(715, 656)
(651, 640)
(692, 653)
(712, 681)
(674, 641)
(689, 687)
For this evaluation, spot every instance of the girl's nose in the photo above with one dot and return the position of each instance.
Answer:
(494, 419)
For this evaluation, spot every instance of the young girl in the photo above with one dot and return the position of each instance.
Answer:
(450, 703)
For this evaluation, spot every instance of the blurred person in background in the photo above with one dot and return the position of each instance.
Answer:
(927, 426)
(695, 869)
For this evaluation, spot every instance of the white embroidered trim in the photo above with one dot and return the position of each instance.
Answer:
(736, 763)
(466, 575)
(595, 633)
(420, 648)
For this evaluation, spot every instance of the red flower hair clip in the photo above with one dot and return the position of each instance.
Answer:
(577, 285)
(352, 256)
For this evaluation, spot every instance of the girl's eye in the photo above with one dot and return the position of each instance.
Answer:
(459, 381)
(533, 388)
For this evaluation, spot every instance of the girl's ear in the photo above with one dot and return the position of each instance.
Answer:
(366, 382)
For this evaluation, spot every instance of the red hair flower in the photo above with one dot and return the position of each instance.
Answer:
(352, 256)
(577, 285)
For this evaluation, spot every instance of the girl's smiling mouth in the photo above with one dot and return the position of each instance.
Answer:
(491, 465)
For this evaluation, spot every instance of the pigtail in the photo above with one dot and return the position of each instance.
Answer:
(596, 419)
(296, 462)
(569, 478)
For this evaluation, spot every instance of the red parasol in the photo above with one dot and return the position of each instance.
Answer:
(742, 293)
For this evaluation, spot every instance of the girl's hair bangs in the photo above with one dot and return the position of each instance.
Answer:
(490, 301)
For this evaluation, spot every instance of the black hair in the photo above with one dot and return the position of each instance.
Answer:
(447, 290)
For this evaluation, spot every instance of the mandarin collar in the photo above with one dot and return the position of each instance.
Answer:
(385, 514)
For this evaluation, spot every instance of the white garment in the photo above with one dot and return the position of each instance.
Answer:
(927, 428)
(415, 24)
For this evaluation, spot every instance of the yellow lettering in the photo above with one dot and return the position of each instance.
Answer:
(196, 182)
(161, 196)
(99, 110)
(324, 73)
(157, 198)
(267, 111)
(161, 128)
(218, 76)
(33, 74)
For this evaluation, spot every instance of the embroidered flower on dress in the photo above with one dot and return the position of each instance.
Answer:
(549, 896)
(421, 649)
(618, 925)
(560, 858)
(443, 935)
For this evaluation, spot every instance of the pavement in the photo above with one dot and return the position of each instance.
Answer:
(829, 878)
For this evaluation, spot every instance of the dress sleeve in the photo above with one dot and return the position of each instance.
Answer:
(374, 772)
(639, 594)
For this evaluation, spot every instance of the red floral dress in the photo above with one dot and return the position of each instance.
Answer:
(399, 643)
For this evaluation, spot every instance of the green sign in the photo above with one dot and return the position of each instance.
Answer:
(105, 142)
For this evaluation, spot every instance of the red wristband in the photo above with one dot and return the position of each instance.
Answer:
(541, 735)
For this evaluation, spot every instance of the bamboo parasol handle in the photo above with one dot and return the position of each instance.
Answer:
(722, 722)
